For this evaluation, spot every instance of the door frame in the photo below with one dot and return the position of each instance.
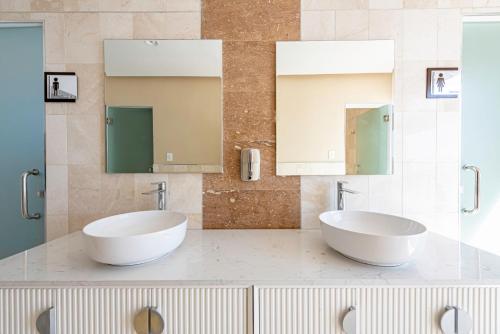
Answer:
(32, 23)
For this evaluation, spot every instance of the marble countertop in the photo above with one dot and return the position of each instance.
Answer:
(249, 257)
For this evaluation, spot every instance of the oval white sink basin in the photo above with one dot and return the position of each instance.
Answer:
(134, 238)
(372, 238)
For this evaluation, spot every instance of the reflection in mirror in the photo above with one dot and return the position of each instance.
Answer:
(129, 140)
(333, 107)
(163, 114)
(369, 140)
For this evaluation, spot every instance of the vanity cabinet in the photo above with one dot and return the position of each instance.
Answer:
(379, 310)
(302, 310)
(109, 310)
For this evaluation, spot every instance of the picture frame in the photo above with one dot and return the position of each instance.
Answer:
(61, 87)
(443, 82)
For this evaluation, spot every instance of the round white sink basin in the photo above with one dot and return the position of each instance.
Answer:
(134, 238)
(372, 238)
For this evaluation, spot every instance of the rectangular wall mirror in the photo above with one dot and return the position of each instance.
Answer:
(334, 113)
(163, 106)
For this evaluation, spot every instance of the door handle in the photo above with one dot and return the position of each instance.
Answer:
(477, 182)
(24, 195)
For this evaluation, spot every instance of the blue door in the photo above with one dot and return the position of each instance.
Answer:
(22, 147)
(480, 218)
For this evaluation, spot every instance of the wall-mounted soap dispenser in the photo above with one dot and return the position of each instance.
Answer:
(250, 164)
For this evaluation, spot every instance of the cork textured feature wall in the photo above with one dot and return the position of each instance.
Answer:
(249, 30)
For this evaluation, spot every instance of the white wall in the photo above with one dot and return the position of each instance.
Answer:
(425, 185)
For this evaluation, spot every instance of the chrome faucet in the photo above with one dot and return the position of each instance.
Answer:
(340, 194)
(162, 194)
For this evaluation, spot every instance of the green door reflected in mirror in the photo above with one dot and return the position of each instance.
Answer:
(129, 140)
(373, 142)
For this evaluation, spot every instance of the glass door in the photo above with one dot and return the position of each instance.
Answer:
(480, 177)
(22, 148)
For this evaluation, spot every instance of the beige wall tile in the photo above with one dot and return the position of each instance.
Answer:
(386, 4)
(315, 195)
(56, 226)
(387, 24)
(455, 3)
(47, 5)
(318, 25)
(82, 40)
(420, 34)
(447, 187)
(116, 25)
(420, 3)
(53, 36)
(117, 193)
(351, 24)
(398, 136)
(84, 207)
(414, 86)
(150, 25)
(195, 221)
(419, 136)
(183, 5)
(56, 140)
(185, 193)
(133, 5)
(81, 5)
(84, 177)
(486, 3)
(310, 221)
(84, 139)
(183, 25)
(90, 89)
(334, 4)
(386, 192)
(57, 190)
(419, 188)
(449, 34)
(15, 5)
(448, 137)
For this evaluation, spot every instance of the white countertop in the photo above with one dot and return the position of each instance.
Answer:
(249, 257)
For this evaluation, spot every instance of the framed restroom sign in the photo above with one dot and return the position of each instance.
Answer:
(61, 87)
(443, 82)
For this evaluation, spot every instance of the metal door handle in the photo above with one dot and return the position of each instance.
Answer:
(45, 323)
(477, 181)
(24, 195)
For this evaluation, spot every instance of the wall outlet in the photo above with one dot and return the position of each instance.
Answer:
(170, 156)
(331, 155)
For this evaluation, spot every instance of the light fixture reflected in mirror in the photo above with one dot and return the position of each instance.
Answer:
(152, 42)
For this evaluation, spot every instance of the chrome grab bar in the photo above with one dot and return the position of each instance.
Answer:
(24, 195)
(477, 181)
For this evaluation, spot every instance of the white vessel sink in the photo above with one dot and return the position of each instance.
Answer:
(372, 238)
(134, 238)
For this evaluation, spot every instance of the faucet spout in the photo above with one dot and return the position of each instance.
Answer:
(340, 194)
(162, 194)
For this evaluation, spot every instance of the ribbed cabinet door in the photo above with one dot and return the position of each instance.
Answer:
(202, 310)
(417, 310)
(303, 310)
(19, 309)
(99, 310)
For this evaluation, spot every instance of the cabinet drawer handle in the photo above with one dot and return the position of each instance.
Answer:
(349, 321)
(455, 321)
(149, 321)
(45, 323)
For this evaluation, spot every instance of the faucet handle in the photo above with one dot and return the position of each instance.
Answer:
(162, 185)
